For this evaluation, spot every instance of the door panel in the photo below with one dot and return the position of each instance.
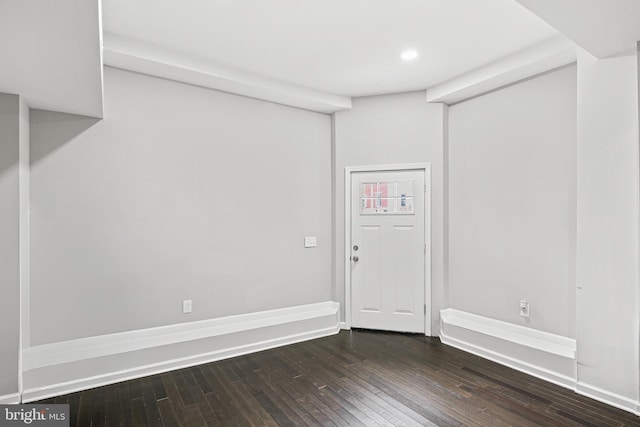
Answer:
(388, 266)
(369, 254)
(403, 269)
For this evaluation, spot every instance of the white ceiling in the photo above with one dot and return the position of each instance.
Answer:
(344, 47)
(312, 54)
(602, 27)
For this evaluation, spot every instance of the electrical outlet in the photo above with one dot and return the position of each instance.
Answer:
(187, 306)
(524, 308)
(310, 242)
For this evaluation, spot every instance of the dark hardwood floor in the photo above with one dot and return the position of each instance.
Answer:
(350, 379)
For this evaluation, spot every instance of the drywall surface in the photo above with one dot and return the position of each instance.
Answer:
(52, 54)
(512, 178)
(9, 242)
(607, 227)
(602, 28)
(384, 130)
(180, 193)
(24, 175)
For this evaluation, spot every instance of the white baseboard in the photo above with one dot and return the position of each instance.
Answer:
(608, 397)
(70, 366)
(10, 399)
(343, 326)
(541, 354)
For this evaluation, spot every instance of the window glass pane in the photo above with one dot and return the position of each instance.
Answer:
(404, 205)
(368, 189)
(405, 187)
(387, 198)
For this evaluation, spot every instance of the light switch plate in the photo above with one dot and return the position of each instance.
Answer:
(524, 308)
(310, 242)
(187, 306)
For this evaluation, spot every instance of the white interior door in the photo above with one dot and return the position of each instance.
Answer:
(388, 247)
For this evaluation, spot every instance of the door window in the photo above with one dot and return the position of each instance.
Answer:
(387, 198)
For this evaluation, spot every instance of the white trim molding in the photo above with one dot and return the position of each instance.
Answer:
(547, 356)
(69, 366)
(613, 399)
(427, 234)
(119, 52)
(550, 54)
(541, 354)
(10, 399)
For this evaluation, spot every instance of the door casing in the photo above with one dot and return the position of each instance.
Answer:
(427, 230)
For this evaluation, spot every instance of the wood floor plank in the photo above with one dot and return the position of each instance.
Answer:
(314, 416)
(124, 404)
(174, 398)
(166, 413)
(252, 411)
(273, 409)
(221, 403)
(152, 410)
(264, 390)
(112, 406)
(187, 387)
(327, 407)
(139, 414)
(196, 371)
(363, 384)
(158, 387)
(354, 378)
(427, 395)
(352, 405)
(85, 408)
(73, 401)
(194, 416)
(98, 408)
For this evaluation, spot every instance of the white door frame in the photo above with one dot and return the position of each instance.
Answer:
(427, 234)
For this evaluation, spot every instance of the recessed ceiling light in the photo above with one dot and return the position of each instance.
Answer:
(409, 55)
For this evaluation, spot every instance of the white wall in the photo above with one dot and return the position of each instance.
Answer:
(13, 141)
(25, 241)
(24, 175)
(392, 129)
(607, 228)
(179, 193)
(52, 54)
(512, 177)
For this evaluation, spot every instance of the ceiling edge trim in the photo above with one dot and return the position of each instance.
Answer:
(552, 53)
(156, 63)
